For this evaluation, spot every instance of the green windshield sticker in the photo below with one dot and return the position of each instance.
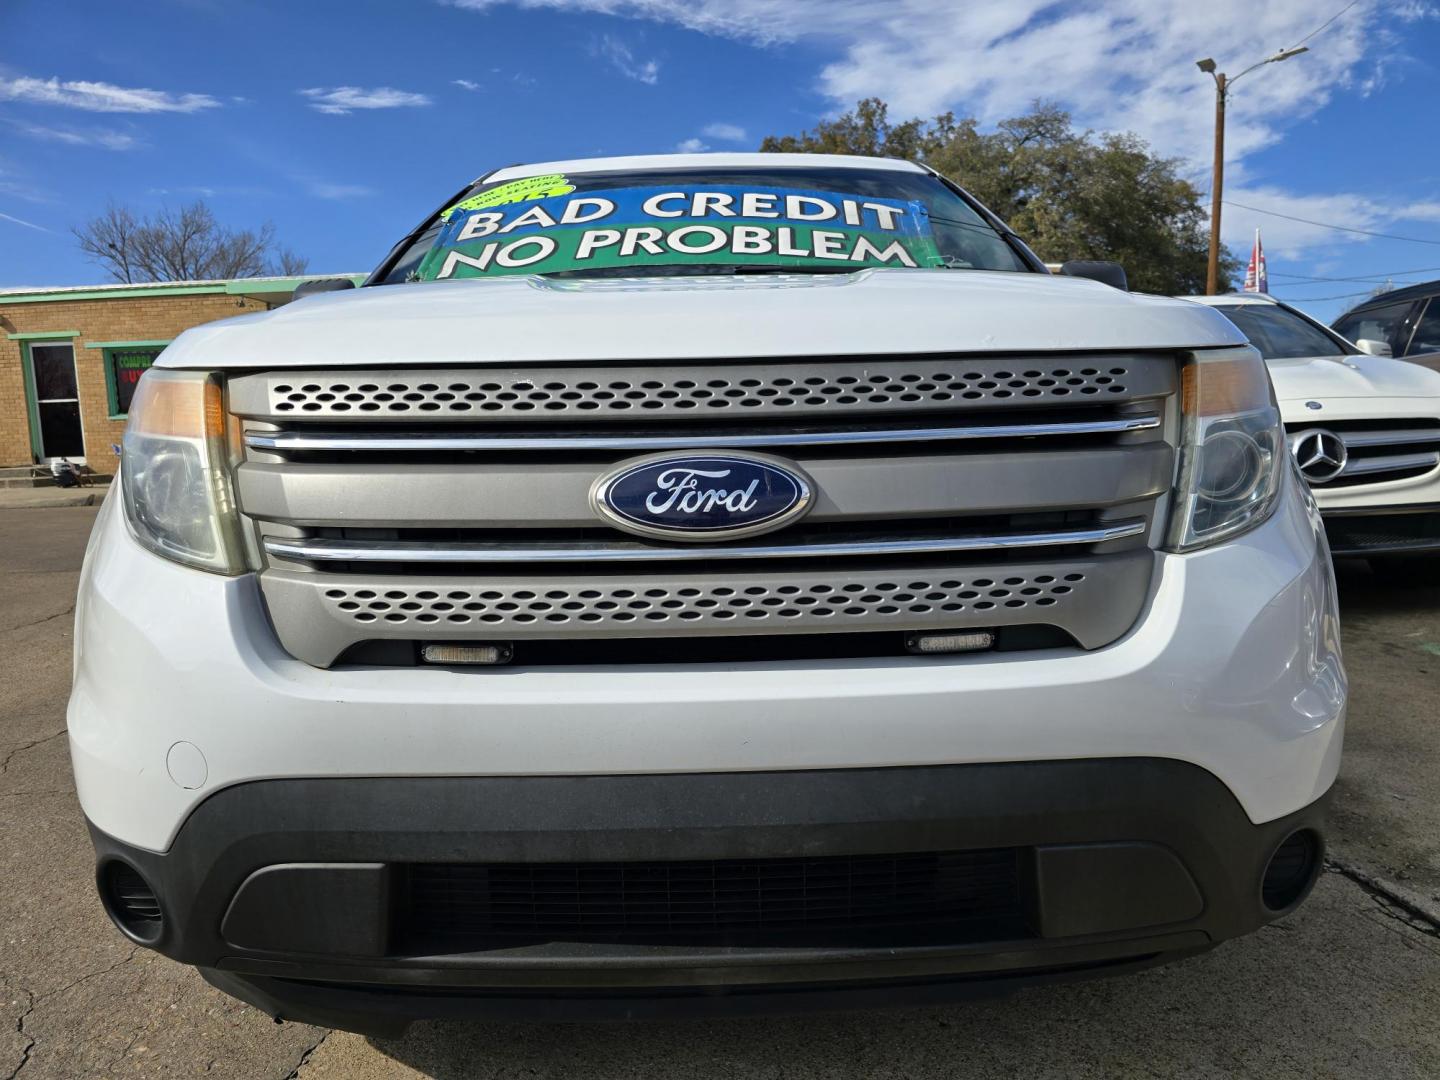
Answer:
(651, 226)
(526, 190)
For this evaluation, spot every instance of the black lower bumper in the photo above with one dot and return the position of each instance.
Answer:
(368, 903)
(1399, 530)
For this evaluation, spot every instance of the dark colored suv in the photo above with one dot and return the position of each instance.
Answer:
(1407, 319)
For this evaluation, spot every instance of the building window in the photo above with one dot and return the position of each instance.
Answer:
(123, 367)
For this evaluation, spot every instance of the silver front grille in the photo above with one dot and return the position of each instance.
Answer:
(949, 492)
(784, 387)
(440, 552)
(1091, 598)
(391, 442)
(1377, 451)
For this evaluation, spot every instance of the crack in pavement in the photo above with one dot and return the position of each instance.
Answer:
(36, 999)
(17, 794)
(294, 1073)
(20, 1030)
(1390, 901)
(10, 755)
(140, 1029)
(37, 622)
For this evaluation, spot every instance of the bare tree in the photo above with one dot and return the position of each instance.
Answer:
(188, 244)
(110, 240)
(288, 264)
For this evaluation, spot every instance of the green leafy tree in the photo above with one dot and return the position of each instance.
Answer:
(1071, 194)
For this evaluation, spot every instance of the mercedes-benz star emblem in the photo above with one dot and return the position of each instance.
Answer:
(1320, 454)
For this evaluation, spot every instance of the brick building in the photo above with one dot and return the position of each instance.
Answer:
(70, 358)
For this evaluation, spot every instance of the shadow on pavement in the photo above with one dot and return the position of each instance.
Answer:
(1336, 989)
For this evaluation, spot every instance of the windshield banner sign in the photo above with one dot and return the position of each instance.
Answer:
(649, 226)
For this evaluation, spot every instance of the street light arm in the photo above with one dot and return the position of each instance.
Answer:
(1283, 54)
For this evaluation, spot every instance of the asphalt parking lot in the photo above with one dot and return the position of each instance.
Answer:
(1347, 987)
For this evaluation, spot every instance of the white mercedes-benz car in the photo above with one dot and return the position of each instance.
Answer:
(1365, 431)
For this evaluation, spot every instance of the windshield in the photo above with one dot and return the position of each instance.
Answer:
(1280, 334)
(705, 221)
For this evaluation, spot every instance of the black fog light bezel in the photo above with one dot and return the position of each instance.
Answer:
(120, 885)
(1293, 885)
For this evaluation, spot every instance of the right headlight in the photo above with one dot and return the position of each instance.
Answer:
(173, 472)
(1232, 448)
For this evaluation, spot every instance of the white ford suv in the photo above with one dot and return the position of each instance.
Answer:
(698, 583)
(1365, 432)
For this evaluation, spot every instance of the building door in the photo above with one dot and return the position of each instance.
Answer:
(57, 403)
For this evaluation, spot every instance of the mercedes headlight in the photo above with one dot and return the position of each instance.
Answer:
(1232, 448)
(173, 472)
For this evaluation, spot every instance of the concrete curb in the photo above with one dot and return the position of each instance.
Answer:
(46, 500)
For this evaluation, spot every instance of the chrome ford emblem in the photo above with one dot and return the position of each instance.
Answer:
(702, 497)
(1320, 454)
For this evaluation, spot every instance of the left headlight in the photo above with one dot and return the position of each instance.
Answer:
(173, 473)
(1232, 448)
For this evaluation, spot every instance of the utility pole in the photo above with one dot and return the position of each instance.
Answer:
(1217, 183)
(1217, 180)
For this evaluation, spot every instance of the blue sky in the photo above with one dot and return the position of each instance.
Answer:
(344, 121)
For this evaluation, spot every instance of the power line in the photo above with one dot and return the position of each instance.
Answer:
(1379, 277)
(1327, 22)
(1328, 225)
(1317, 299)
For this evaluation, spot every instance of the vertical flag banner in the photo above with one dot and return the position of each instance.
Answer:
(1256, 280)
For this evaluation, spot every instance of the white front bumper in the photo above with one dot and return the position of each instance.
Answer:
(1233, 666)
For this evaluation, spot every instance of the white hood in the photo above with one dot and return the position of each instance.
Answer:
(529, 319)
(1324, 378)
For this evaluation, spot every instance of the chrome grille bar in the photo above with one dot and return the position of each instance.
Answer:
(380, 442)
(1390, 463)
(1353, 439)
(400, 551)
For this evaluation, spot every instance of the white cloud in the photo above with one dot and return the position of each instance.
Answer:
(691, 146)
(623, 60)
(764, 22)
(12, 184)
(1287, 237)
(341, 100)
(466, 84)
(108, 140)
(101, 97)
(22, 221)
(725, 132)
(1124, 65)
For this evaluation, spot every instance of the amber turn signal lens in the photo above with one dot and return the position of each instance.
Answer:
(1224, 387)
(177, 408)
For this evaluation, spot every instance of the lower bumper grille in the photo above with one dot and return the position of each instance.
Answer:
(1091, 598)
(952, 897)
(1374, 534)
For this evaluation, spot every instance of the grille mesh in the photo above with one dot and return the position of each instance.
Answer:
(783, 387)
(1093, 599)
(1359, 533)
(875, 599)
(967, 895)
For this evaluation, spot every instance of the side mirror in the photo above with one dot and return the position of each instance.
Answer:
(319, 285)
(1371, 347)
(1111, 273)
